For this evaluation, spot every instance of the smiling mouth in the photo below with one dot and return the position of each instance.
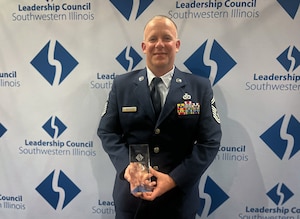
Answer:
(160, 53)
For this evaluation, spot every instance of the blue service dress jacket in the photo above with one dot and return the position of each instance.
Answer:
(183, 141)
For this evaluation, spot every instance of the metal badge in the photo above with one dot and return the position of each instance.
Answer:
(186, 96)
(178, 80)
(141, 78)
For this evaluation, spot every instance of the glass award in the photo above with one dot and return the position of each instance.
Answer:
(140, 161)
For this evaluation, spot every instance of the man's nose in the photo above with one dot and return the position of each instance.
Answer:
(159, 43)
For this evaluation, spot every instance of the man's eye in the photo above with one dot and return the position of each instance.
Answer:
(167, 38)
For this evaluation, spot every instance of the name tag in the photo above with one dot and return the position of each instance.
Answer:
(129, 109)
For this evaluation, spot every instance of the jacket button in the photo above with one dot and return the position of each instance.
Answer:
(156, 168)
(157, 131)
(156, 150)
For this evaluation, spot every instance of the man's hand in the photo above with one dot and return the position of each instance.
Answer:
(138, 176)
(164, 183)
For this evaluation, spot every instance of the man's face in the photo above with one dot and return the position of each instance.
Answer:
(160, 45)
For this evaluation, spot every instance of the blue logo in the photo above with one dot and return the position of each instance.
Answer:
(54, 127)
(126, 7)
(280, 194)
(129, 58)
(2, 130)
(283, 137)
(216, 194)
(54, 62)
(291, 7)
(210, 61)
(290, 58)
(58, 190)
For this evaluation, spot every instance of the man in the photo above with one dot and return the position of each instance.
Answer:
(183, 138)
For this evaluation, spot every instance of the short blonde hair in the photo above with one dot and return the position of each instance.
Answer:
(157, 17)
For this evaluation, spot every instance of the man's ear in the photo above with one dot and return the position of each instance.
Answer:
(177, 45)
(143, 47)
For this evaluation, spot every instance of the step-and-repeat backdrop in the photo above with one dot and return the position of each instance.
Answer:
(58, 60)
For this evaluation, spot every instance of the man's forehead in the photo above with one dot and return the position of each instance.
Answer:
(160, 26)
(159, 22)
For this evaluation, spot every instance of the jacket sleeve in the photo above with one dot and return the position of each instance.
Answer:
(111, 134)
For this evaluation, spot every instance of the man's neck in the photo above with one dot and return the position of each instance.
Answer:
(158, 72)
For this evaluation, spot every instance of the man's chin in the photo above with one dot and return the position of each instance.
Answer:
(160, 63)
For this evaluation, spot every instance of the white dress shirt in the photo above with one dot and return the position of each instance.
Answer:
(163, 87)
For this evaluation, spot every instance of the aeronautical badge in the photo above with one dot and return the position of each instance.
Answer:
(214, 110)
(188, 107)
(186, 96)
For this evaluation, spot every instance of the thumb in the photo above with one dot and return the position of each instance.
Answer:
(153, 171)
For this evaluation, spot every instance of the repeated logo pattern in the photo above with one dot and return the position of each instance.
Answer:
(210, 61)
(283, 137)
(216, 194)
(289, 58)
(129, 58)
(54, 127)
(2, 130)
(291, 7)
(54, 62)
(58, 190)
(125, 7)
(280, 194)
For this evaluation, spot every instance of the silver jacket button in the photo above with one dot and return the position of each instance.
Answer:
(156, 168)
(157, 131)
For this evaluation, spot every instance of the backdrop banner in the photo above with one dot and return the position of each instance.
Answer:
(58, 60)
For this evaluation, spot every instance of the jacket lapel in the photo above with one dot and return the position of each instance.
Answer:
(174, 96)
(143, 93)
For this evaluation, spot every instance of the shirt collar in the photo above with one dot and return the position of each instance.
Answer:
(166, 78)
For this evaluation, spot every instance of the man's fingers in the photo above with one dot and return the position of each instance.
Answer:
(153, 171)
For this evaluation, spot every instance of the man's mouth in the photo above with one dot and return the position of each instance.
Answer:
(160, 53)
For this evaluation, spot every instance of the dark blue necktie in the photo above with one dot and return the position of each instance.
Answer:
(155, 96)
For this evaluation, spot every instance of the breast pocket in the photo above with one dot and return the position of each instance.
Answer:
(188, 121)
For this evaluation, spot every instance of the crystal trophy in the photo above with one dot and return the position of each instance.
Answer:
(140, 161)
